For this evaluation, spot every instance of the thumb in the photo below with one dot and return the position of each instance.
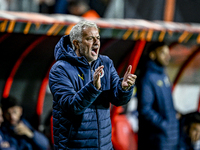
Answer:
(128, 70)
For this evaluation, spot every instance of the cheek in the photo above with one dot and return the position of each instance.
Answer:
(164, 60)
(18, 115)
(1, 119)
(81, 50)
(198, 135)
(15, 116)
(192, 134)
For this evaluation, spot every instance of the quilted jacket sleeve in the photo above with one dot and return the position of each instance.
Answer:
(121, 97)
(65, 95)
(39, 140)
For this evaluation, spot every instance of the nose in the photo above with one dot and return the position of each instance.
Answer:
(96, 40)
(12, 117)
(168, 57)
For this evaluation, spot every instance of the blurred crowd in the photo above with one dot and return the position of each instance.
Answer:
(102, 8)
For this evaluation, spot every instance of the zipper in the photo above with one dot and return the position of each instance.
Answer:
(99, 141)
(91, 72)
(70, 130)
(91, 76)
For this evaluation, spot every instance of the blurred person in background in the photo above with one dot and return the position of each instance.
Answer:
(3, 4)
(115, 9)
(99, 6)
(190, 131)
(81, 8)
(61, 7)
(18, 127)
(46, 6)
(158, 125)
(23, 5)
(6, 141)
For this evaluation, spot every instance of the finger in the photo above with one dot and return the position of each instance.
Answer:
(130, 83)
(99, 70)
(97, 73)
(100, 67)
(132, 76)
(128, 71)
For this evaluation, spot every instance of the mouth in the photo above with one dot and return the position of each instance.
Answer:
(94, 51)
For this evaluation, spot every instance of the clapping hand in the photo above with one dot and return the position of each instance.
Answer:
(129, 79)
(96, 77)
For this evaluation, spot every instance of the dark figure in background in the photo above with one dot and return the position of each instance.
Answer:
(6, 141)
(61, 7)
(46, 6)
(27, 137)
(190, 131)
(84, 84)
(99, 6)
(158, 125)
(81, 8)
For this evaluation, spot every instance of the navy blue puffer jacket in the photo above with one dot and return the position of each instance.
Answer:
(158, 126)
(81, 113)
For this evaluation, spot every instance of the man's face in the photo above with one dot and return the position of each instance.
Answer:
(90, 45)
(1, 116)
(194, 132)
(13, 115)
(162, 55)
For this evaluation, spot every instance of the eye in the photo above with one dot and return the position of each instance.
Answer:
(90, 38)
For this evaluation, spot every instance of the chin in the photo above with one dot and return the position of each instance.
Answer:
(94, 58)
(13, 123)
(166, 64)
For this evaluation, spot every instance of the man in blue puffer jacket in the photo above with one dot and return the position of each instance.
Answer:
(83, 84)
(158, 125)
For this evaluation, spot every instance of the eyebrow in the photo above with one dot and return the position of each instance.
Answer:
(94, 36)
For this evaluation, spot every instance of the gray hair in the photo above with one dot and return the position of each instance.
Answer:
(76, 31)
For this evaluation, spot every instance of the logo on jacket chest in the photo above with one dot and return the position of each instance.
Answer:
(165, 82)
(102, 74)
(160, 83)
(81, 76)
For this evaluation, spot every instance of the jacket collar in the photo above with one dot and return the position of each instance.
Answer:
(155, 67)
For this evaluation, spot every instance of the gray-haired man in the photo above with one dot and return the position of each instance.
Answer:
(83, 84)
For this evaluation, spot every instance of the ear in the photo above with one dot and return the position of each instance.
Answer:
(152, 55)
(76, 44)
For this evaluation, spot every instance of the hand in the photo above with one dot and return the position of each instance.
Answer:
(96, 77)
(129, 79)
(22, 129)
(5, 144)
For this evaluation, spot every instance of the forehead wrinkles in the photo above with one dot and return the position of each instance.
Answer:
(90, 31)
